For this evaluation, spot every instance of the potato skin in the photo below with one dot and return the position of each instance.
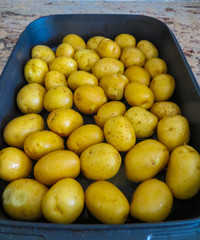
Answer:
(43, 52)
(149, 50)
(75, 41)
(125, 40)
(54, 79)
(155, 66)
(137, 74)
(65, 50)
(93, 42)
(107, 48)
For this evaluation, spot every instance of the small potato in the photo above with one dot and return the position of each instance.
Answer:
(143, 122)
(35, 71)
(65, 65)
(100, 161)
(137, 94)
(146, 159)
(173, 131)
(76, 41)
(132, 56)
(93, 42)
(43, 52)
(107, 48)
(152, 201)
(80, 78)
(86, 58)
(39, 143)
(88, 98)
(22, 199)
(119, 132)
(114, 86)
(14, 164)
(149, 50)
(58, 97)
(165, 108)
(106, 203)
(137, 74)
(125, 40)
(18, 129)
(108, 110)
(83, 137)
(65, 50)
(64, 121)
(162, 86)
(183, 172)
(55, 166)
(64, 201)
(54, 79)
(107, 66)
(30, 98)
(155, 66)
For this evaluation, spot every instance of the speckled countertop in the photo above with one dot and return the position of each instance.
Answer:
(182, 17)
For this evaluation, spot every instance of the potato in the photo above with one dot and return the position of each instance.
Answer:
(108, 110)
(58, 97)
(75, 41)
(54, 79)
(146, 159)
(19, 128)
(30, 98)
(14, 164)
(183, 172)
(125, 40)
(132, 56)
(114, 86)
(93, 42)
(83, 137)
(65, 50)
(106, 203)
(55, 166)
(152, 201)
(143, 122)
(88, 98)
(119, 132)
(65, 65)
(86, 58)
(35, 71)
(39, 143)
(107, 66)
(149, 50)
(79, 78)
(64, 121)
(107, 48)
(173, 131)
(137, 74)
(162, 86)
(43, 52)
(165, 108)
(137, 94)
(100, 161)
(22, 199)
(64, 201)
(155, 66)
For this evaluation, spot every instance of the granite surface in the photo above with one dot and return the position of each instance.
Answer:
(182, 17)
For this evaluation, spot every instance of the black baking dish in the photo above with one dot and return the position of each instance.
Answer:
(184, 221)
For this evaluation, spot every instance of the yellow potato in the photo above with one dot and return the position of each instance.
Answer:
(146, 159)
(149, 50)
(143, 122)
(22, 199)
(65, 50)
(79, 78)
(76, 41)
(93, 42)
(100, 161)
(54, 79)
(155, 66)
(55, 166)
(39, 143)
(30, 98)
(64, 201)
(64, 121)
(14, 164)
(137, 94)
(152, 201)
(125, 40)
(173, 131)
(119, 132)
(137, 74)
(43, 52)
(89, 98)
(183, 172)
(114, 86)
(58, 97)
(108, 110)
(35, 71)
(107, 48)
(107, 66)
(106, 202)
(18, 129)
(83, 137)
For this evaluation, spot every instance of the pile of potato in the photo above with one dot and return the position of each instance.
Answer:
(125, 87)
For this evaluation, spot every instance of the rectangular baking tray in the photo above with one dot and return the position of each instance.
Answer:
(184, 220)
